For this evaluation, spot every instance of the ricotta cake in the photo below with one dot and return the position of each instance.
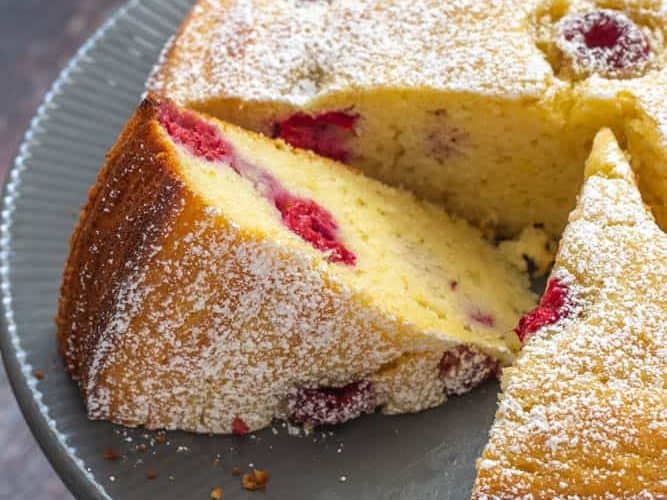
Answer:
(584, 410)
(218, 279)
(449, 99)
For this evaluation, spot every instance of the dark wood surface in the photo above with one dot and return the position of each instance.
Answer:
(37, 37)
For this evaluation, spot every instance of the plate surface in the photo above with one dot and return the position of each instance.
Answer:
(426, 456)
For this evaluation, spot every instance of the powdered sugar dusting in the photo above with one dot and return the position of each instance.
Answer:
(295, 51)
(245, 358)
(584, 411)
(268, 313)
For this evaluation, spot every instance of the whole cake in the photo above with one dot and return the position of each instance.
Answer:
(220, 276)
(447, 98)
(584, 409)
(218, 279)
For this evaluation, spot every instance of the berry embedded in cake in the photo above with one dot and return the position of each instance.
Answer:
(303, 217)
(331, 405)
(325, 133)
(603, 41)
(463, 368)
(315, 225)
(260, 282)
(553, 306)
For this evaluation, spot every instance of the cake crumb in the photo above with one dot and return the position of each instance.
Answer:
(151, 474)
(216, 493)
(236, 471)
(255, 480)
(532, 251)
(110, 454)
(38, 374)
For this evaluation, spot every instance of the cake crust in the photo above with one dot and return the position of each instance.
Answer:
(107, 242)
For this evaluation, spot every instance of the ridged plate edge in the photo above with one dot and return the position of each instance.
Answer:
(19, 372)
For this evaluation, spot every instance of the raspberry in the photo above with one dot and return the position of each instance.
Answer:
(463, 368)
(304, 217)
(552, 307)
(331, 405)
(315, 225)
(239, 427)
(555, 295)
(603, 41)
(322, 133)
(187, 129)
(483, 318)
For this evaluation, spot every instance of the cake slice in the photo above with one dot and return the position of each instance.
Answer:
(584, 410)
(218, 279)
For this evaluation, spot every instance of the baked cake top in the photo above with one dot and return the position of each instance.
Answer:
(297, 50)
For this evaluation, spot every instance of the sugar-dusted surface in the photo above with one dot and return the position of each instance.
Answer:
(296, 50)
(584, 410)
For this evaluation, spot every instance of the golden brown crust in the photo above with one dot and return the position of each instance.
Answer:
(127, 209)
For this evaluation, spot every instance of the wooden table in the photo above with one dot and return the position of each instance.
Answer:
(37, 37)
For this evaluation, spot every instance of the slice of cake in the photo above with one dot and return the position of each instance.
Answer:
(447, 98)
(218, 279)
(584, 410)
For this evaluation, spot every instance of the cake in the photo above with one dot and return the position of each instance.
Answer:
(449, 99)
(584, 410)
(218, 278)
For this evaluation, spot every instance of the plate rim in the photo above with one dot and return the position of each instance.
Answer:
(70, 468)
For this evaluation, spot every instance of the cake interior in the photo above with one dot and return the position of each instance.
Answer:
(524, 155)
(407, 257)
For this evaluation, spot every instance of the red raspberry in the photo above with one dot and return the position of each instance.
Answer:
(322, 133)
(463, 368)
(186, 128)
(482, 318)
(603, 41)
(315, 225)
(239, 427)
(331, 405)
(552, 307)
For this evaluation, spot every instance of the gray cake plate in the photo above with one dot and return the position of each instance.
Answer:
(430, 455)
